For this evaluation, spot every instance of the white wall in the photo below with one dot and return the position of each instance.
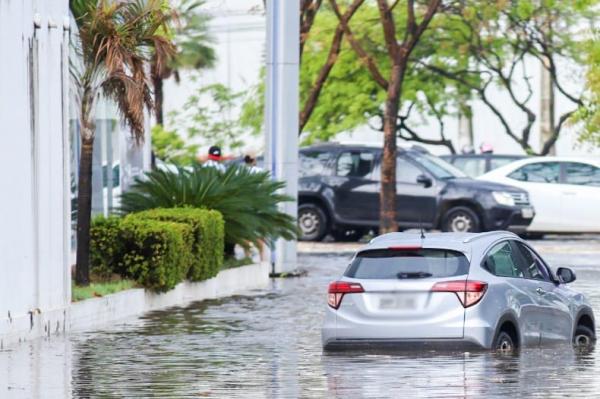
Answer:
(34, 207)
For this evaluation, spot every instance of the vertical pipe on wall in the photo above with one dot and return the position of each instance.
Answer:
(66, 161)
(35, 136)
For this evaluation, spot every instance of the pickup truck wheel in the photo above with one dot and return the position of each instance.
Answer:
(312, 222)
(461, 219)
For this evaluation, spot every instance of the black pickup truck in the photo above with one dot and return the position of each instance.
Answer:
(339, 187)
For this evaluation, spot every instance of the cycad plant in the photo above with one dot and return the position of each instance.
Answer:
(114, 44)
(248, 201)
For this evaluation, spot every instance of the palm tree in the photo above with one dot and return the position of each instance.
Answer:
(193, 49)
(115, 41)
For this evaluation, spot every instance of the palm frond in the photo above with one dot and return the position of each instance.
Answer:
(117, 39)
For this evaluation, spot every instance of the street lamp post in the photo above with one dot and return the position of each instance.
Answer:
(281, 113)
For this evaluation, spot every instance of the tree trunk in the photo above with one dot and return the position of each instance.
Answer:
(465, 127)
(84, 207)
(387, 199)
(546, 108)
(157, 81)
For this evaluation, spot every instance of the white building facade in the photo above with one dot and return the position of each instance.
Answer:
(34, 165)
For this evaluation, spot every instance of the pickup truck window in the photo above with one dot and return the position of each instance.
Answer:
(355, 163)
(406, 172)
(438, 167)
(313, 163)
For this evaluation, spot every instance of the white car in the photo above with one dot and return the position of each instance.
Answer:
(565, 192)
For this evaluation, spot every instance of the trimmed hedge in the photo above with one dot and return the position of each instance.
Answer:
(208, 230)
(159, 248)
(106, 246)
(158, 254)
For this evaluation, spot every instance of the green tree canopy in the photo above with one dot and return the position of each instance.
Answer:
(213, 114)
(589, 116)
(470, 49)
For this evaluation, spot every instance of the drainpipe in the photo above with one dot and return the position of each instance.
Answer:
(35, 137)
(66, 162)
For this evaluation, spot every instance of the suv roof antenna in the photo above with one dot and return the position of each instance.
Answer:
(421, 226)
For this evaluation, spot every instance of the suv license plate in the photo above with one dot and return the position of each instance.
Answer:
(387, 303)
(527, 213)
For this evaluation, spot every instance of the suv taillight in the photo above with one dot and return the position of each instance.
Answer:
(469, 292)
(338, 289)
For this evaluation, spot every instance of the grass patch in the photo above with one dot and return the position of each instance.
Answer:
(99, 289)
(230, 263)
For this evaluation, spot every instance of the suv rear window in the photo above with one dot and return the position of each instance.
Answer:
(407, 264)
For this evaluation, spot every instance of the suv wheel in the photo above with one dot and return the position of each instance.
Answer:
(461, 219)
(504, 344)
(583, 339)
(312, 222)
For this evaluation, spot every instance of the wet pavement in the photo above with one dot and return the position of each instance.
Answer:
(267, 344)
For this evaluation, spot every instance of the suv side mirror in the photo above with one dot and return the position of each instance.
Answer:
(425, 181)
(565, 275)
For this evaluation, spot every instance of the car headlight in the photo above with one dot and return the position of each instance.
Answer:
(503, 198)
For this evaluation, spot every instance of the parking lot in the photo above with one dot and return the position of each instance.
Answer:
(267, 344)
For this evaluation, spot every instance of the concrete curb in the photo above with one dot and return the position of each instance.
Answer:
(99, 312)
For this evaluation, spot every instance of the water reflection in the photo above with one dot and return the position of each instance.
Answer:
(268, 345)
(557, 372)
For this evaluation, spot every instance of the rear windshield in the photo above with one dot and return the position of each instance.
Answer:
(407, 264)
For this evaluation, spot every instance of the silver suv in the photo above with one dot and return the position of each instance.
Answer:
(488, 290)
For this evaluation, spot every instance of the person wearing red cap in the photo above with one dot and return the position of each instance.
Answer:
(214, 159)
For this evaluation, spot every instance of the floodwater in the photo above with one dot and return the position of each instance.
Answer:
(267, 344)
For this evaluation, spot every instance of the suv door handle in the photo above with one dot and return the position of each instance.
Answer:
(540, 291)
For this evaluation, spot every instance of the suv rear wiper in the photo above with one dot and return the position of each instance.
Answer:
(413, 275)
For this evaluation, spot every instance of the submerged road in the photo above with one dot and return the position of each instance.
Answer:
(267, 344)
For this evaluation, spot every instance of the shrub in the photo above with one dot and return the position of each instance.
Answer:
(158, 254)
(248, 201)
(106, 246)
(208, 231)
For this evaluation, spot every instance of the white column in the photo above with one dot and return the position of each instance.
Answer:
(281, 112)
